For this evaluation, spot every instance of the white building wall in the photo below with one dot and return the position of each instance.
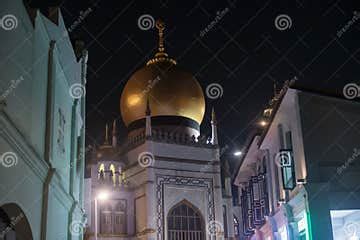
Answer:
(24, 53)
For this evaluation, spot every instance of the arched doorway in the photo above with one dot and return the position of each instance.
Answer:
(185, 222)
(13, 223)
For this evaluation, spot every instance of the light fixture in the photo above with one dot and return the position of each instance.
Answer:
(301, 181)
(263, 123)
(237, 153)
(103, 195)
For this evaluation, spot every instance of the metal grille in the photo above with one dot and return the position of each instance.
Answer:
(185, 223)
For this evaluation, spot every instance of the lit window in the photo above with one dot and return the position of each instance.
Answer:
(101, 171)
(113, 176)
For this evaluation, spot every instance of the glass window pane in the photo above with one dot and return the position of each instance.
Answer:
(183, 219)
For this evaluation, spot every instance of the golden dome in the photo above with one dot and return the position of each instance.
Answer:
(170, 91)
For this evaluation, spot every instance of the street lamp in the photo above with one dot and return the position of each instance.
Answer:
(263, 123)
(237, 153)
(101, 196)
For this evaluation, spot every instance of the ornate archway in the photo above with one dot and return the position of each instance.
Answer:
(185, 222)
(13, 223)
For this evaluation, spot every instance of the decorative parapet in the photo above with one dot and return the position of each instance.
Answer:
(168, 137)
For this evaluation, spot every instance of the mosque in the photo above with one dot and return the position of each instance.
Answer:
(165, 181)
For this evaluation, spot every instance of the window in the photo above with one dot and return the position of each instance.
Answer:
(101, 172)
(113, 173)
(120, 223)
(287, 169)
(118, 219)
(105, 219)
(184, 222)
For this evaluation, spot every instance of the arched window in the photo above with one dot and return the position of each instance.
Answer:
(185, 222)
(113, 176)
(101, 171)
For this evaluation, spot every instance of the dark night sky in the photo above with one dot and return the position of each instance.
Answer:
(244, 52)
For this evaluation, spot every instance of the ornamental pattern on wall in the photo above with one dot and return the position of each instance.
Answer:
(162, 180)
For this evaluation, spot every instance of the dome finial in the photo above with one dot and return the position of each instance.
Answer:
(160, 25)
(161, 55)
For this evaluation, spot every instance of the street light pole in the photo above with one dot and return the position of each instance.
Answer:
(96, 220)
